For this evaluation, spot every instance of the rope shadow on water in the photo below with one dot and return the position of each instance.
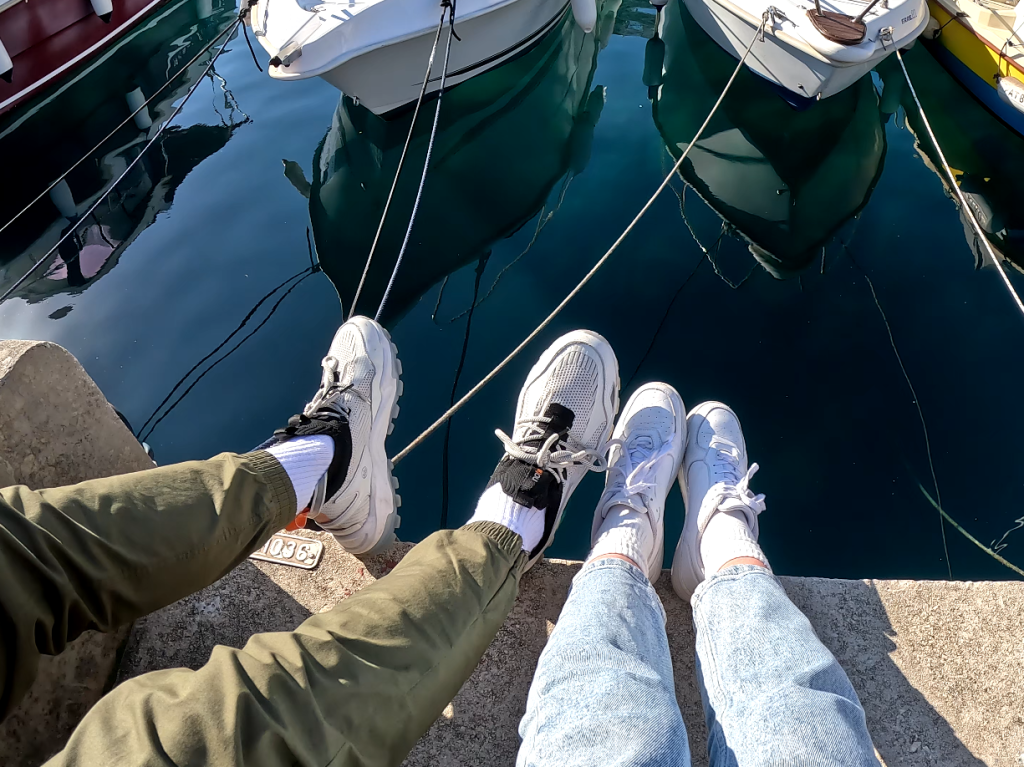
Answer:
(480, 267)
(296, 279)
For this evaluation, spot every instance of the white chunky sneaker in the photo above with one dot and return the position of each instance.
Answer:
(644, 456)
(714, 479)
(355, 500)
(563, 420)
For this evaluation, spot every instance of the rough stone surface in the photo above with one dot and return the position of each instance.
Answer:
(56, 428)
(937, 665)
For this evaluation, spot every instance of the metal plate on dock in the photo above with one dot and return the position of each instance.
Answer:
(292, 550)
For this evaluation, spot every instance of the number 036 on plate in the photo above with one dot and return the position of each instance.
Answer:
(285, 549)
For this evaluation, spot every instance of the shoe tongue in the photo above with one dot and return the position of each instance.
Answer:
(562, 419)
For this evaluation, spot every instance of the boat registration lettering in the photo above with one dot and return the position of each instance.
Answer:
(911, 17)
(1011, 90)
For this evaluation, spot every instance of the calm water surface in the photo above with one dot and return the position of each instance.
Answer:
(809, 268)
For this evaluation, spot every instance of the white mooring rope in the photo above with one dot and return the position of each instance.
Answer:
(956, 189)
(632, 224)
(445, 10)
(450, 5)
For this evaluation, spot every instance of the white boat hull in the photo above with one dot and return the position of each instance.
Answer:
(787, 59)
(387, 77)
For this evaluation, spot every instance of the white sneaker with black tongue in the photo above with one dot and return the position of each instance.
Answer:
(563, 420)
(644, 456)
(355, 404)
(721, 511)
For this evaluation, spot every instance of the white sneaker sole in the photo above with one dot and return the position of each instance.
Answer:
(609, 361)
(684, 571)
(378, 532)
(655, 566)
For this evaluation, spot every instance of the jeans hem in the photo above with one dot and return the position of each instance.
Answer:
(728, 574)
(632, 571)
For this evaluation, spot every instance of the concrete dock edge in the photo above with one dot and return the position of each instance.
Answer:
(939, 666)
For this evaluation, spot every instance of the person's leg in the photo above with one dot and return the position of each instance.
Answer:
(603, 692)
(102, 553)
(360, 684)
(773, 694)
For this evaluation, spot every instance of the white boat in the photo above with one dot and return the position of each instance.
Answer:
(530, 123)
(784, 182)
(376, 51)
(812, 51)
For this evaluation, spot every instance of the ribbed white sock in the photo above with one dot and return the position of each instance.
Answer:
(627, 532)
(727, 537)
(495, 506)
(306, 460)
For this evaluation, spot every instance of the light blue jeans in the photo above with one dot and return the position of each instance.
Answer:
(603, 693)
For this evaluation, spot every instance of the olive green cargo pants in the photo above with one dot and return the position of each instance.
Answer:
(357, 685)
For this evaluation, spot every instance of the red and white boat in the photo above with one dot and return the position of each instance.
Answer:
(43, 40)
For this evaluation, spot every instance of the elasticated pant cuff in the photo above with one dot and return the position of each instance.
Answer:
(282, 495)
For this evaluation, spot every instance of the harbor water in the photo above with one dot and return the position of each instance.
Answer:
(810, 268)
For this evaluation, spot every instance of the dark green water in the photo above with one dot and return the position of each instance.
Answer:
(808, 268)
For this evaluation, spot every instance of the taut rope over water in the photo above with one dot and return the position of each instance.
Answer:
(450, 5)
(601, 262)
(447, 9)
(957, 191)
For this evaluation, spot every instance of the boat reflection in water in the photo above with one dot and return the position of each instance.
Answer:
(783, 181)
(986, 156)
(506, 139)
(44, 139)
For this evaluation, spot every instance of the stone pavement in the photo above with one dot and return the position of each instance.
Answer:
(937, 664)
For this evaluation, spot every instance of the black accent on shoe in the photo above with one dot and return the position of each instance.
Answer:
(333, 425)
(532, 486)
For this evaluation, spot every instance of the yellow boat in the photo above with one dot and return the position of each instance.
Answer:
(981, 42)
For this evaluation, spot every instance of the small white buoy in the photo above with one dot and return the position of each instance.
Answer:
(103, 8)
(6, 65)
(1011, 90)
(659, 4)
(932, 29)
(585, 12)
(63, 200)
(135, 100)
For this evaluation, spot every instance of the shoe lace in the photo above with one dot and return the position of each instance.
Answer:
(732, 491)
(632, 479)
(330, 386)
(554, 453)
